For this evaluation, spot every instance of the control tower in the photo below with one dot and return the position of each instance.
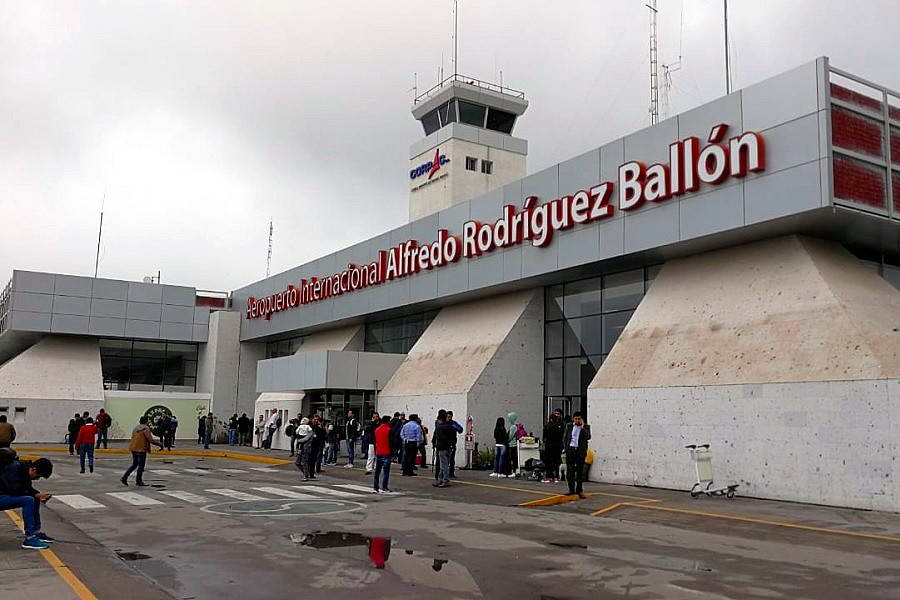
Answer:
(468, 148)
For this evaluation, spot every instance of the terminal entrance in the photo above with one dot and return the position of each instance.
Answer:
(333, 405)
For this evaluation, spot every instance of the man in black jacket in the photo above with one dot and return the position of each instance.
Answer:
(16, 491)
(553, 445)
(444, 439)
(74, 425)
(578, 434)
(244, 424)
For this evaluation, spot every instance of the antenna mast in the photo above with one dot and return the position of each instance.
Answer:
(455, 36)
(269, 257)
(727, 60)
(99, 237)
(654, 66)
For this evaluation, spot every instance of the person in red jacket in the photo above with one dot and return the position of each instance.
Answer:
(383, 454)
(85, 443)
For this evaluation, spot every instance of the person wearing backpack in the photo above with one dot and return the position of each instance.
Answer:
(17, 491)
(304, 436)
(7, 433)
(291, 432)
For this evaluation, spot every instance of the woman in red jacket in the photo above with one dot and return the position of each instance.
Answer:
(383, 454)
(85, 443)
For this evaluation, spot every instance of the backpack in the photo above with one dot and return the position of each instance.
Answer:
(290, 430)
(7, 457)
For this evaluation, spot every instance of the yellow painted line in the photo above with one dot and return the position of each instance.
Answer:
(870, 536)
(269, 460)
(607, 509)
(551, 500)
(503, 487)
(59, 566)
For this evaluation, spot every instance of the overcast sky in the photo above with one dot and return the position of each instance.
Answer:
(200, 121)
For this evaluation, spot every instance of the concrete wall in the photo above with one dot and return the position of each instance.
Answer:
(126, 408)
(217, 365)
(782, 354)
(52, 380)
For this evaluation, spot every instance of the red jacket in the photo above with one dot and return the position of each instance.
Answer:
(87, 434)
(383, 440)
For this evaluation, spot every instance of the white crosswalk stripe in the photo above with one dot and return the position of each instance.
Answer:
(232, 470)
(286, 493)
(197, 471)
(78, 501)
(162, 472)
(359, 488)
(134, 498)
(186, 496)
(264, 469)
(328, 491)
(236, 494)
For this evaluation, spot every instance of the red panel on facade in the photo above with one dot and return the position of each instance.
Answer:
(852, 131)
(895, 186)
(859, 182)
(895, 145)
(847, 95)
(213, 301)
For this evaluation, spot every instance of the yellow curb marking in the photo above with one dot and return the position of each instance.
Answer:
(196, 453)
(870, 536)
(59, 566)
(551, 500)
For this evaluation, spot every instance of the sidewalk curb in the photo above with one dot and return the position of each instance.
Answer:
(196, 453)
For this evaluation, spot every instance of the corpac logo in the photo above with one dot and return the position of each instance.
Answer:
(431, 167)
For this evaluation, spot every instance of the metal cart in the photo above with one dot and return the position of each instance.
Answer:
(702, 457)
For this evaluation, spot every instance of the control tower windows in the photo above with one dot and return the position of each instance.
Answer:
(447, 113)
(471, 163)
(472, 114)
(431, 122)
(487, 167)
(500, 120)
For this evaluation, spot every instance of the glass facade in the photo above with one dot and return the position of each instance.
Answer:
(583, 319)
(397, 335)
(284, 347)
(469, 113)
(148, 366)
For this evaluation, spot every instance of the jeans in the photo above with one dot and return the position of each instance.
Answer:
(410, 450)
(244, 437)
(574, 469)
(331, 453)
(370, 458)
(444, 461)
(72, 437)
(499, 458)
(86, 449)
(452, 461)
(31, 511)
(103, 437)
(232, 437)
(138, 461)
(351, 448)
(267, 444)
(364, 448)
(206, 439)
(383, 468)
(303, 450)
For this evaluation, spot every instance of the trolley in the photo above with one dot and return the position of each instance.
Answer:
(702, 457)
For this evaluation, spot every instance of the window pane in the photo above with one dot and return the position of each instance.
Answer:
(115, 371)
(375, 332)
(413, 326)
(115, 347)
(393, 329)
(553, 303)
(150, 349)
(582, 298)
(553, 340)
(430, 122)
(553, 377)
(652, 272)
(473, 114)
(588, 371)
(393, 346)
(572, 372)
(189, 351)
(147, 371)
(584, 336)
(623, 290)
(500, 120)
(613, 324)
(447, 113)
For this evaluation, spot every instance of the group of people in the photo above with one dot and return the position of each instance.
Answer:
(239, 430)
(166, 426)
(86, 433)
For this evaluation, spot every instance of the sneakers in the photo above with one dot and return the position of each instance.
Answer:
(376, 491)
(34, 543)
(545, 480)
(141, 484)
(44, 537)
(387, 491)
(305, 479)
(494, 475)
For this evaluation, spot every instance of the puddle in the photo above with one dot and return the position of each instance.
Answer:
(412, 566)
(568, 545)
(132, 555)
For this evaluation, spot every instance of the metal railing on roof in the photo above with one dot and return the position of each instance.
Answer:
(493, 87)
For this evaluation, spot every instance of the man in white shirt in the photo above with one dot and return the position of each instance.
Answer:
(271, 427)
(575, 441)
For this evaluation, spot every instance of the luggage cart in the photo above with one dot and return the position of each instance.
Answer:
(702, 457)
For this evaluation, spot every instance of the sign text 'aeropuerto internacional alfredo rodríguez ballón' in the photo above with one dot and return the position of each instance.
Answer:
(689, 165)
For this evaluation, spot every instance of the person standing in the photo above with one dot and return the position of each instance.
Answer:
(396, 441)
(351, 433)
(141, 440)
(291, 432)
(85, 443)
(74, 425)
(317, 444)
(103, 422)
(173, 429)
(459, 429)
(369, 441)
(444, 439)
(576, 439)
(553, 446)
(16, 491)
(233, 430)
(411, 435)
(501, 441)
(260, 431)
(303, 436)
(201, 429)
(382, 451)
(423, 446)
(512, 462)
(7, 433)
(331, 444)
(244, 424)
(272, 425)
(209, 426)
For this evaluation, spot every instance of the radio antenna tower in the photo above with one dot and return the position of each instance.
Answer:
(654, 66)
(727, 58)
(672, 67)
(269, 257)
(455, 35)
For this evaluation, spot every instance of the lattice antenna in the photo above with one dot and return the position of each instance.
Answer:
(654, 65)
(269, 257)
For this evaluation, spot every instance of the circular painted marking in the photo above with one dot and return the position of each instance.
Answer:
(283, 507)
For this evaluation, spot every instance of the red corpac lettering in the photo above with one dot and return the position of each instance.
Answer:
(537, 222)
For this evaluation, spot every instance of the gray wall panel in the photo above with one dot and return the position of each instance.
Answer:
(536, 261)
(512, 264)
(108, 308)
(612, 238)
(578, 246)
(512, 193)
(110, 289)
(543, 184)
(145, 311)
(486, 270)
(486, 208)
(342, 370)
(177, 314)
(71, 305)
(180, 295)
(711, 212)
(74, 324)
(71, 285)
(201, 315)
(422, 230)
(453, 278)
(651, 145)
(699, 121)
(423, 286)
(107, 326)
(398, 291)
(29, 321)
(144, 292)
(651, 228)
(30, 281)
(611, 156)
(453, 218)
(176, 331)
(781, 98)
(579, 173)
(787, 192)
(142, 329)
(788, 145)
(32, 302)
(200, 333)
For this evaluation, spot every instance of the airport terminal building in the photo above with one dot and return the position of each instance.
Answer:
(729, 275)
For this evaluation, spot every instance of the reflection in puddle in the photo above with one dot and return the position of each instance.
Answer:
(409, 565)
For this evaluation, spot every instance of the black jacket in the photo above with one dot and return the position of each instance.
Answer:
(351, 429)
(583, 439)
(444, 436)
(243, 424)
(14, 479)
(553, 434)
